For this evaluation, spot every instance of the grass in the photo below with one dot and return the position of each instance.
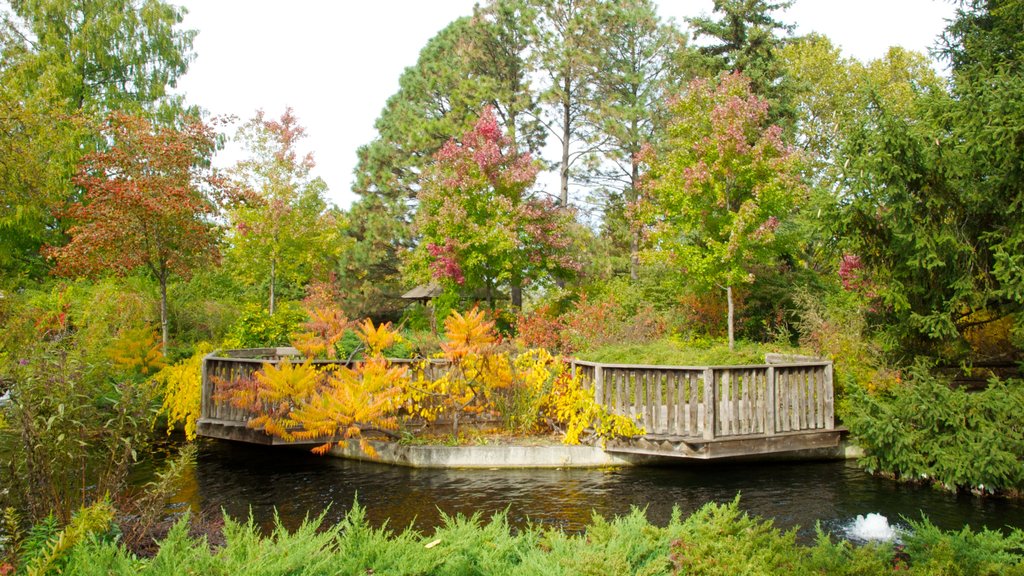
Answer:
(674, 351)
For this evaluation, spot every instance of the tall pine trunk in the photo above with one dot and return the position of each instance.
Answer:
(634, 236)
(563, 196)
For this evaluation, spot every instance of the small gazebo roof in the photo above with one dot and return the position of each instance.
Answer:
(424, 292)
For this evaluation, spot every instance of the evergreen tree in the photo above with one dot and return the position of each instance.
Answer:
(747, 38)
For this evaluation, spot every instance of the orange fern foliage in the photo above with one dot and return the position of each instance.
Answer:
(353, 400)
(137, 350)
(377, 339)
(300, 402)
(278, 390)
(326, 326)
(474, 368)
(239, 392)
(467, 334)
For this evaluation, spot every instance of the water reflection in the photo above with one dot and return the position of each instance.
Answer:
(240, 478)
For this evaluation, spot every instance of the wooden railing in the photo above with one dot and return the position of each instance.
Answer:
(757, 399)
(227, 367)
(763, 399)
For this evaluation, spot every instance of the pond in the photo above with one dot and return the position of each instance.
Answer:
(243, 478)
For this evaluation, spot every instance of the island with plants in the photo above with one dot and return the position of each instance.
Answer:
(557, 193)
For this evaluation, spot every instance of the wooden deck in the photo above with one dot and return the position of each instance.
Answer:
(756, 410)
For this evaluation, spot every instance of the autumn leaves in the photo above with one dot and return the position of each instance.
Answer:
(475, 375)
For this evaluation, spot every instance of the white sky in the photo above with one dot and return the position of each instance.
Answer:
(336, 62)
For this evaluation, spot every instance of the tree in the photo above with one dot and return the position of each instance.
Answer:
(640, 63)
(99, 55)
(833, 99)
(830, 92)
(747, 38)
(721, 187)
(569, 39)
(479, 228)
(474, 62)
(35, 179)
(277, 234)
(934, 194)
(148, 203)
(65, 64)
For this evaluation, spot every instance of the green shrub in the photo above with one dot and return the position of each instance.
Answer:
(718, 539)
(926, 430)
(256, 328)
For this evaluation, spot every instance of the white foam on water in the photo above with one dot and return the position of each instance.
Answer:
(871, 527)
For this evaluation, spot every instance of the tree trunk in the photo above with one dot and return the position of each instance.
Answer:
(634, 240)
(273, 280)
(563, 196)
(163, 313)
(517, 295)
(732, 339)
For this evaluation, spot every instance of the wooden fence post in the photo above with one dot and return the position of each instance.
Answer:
(599, 384)
(207, 407)
(830, 411)
(710, 404)
(769, 424)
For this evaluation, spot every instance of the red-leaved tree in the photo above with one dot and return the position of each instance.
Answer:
(480, 226)
(148, 202)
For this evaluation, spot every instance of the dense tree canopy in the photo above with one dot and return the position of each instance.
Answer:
(148, 203)
(906, 179)
(478, 226)
(720, 187)
(64, 64)
(933, 197)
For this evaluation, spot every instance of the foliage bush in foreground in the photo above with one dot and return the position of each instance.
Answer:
(718, 539)
(927, 430)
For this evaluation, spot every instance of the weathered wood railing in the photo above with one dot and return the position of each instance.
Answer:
(225, 368)
(764, 399)
(757, 399)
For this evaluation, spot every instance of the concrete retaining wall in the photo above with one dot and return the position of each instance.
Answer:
(555, 456)
(558, 456)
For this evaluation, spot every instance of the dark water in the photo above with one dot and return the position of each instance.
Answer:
(240, 478)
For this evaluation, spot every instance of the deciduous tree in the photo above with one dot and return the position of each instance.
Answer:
(479, 227)
(65, 64)
(278, 233)
(721, 187)
(148, 202)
